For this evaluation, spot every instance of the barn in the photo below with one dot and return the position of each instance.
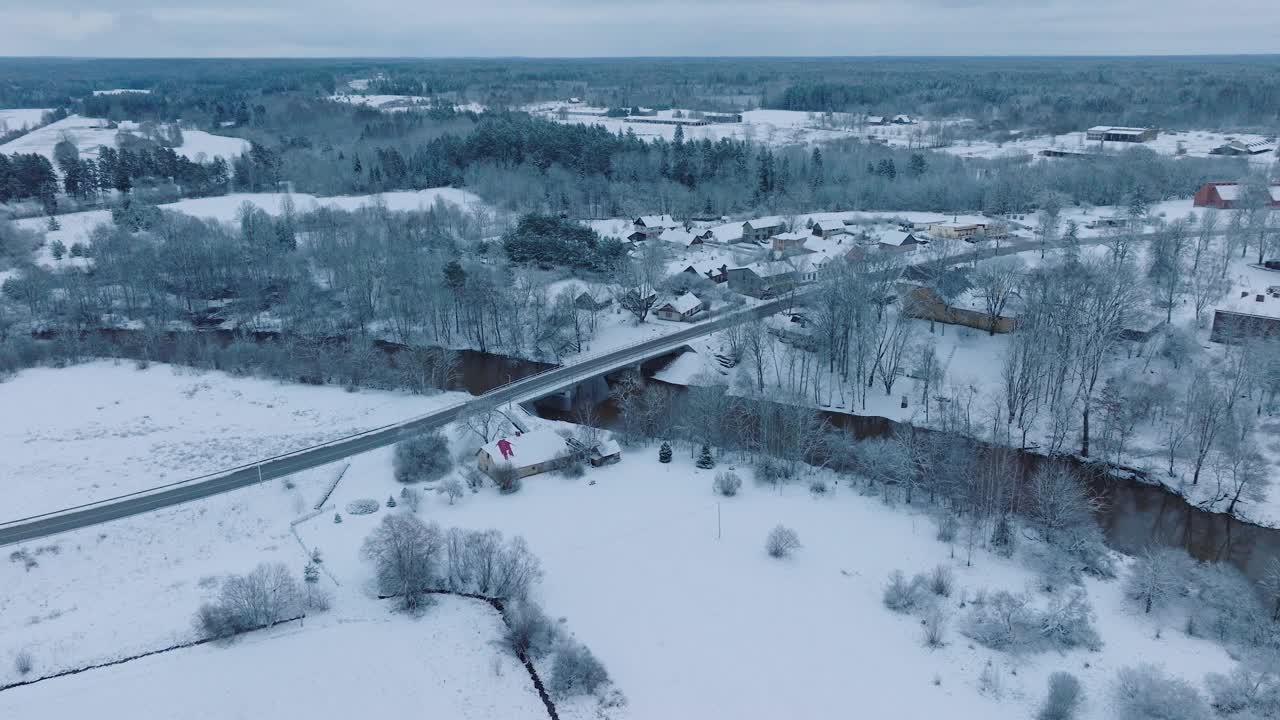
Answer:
(1227, 195)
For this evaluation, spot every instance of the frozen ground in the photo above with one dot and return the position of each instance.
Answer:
(91, 133)
(379, 666)
(400, 103)
(93, 431)
(769, 127)
(667, 583)
(76, 227)
(1194, 143)
(19, 118)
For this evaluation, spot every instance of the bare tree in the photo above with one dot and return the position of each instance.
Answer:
(485, 420)
(782, 541)
(406, 554)
(995, 283)
(265, 596)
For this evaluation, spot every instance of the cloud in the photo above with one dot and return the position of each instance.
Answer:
(628, 28)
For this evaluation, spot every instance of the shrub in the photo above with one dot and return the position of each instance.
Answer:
(705, 460)
(1145, 692)
(1064, 699)
(727, 483)
(363, 506)
(768, 471)
(935, 627)
(337, 518)
(1003, 622)
(572, 466)
(23, 663)
(422, 458)
(481, 562)
(664, 453)
(391, 501)
(507, 479)
(530, 633)
(782, 541)
(818, 486)
(575, 671)
(941, 581)
(1003, 538)
(412, 498)
(265, 596)
(1245, 690)
(903, 596)
(948, 526)
(1068, 623)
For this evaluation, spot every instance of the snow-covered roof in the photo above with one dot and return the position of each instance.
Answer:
(685, 303)
(531, 448)
(1247, 303)
(1117, 130)
(794, 236)
(896, 238)
(655, 221)
(605, 448)
(771, 268)
(875, 119)
(767, 222)
(727, 232)
(684, 238)
(1232, 193)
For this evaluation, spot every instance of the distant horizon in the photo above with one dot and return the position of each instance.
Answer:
(414, 58)
(597, 29)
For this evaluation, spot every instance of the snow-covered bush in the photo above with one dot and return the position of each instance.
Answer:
(363, 506)
(530, 633)
(941, 581)
(1246, 692)
(481, 562)
(1068, 623)
(576, 671)
(948, 526)
(1009, 622)
(1146, 692)
(265, 596)
(23, 663)
(727, 483)
(1157, 577)
(411, 498)
(452, 489)
(904, 596)
(990, 681)
(782, 541)
(1064, 699)
(507, 479)
(935, 626)
(768, 471)
(422, 458)
(1226, 606)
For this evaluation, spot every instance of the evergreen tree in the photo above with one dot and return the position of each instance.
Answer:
(664, 453)
(917, 165)
(705, 461)
(337, 518)
(391, 501)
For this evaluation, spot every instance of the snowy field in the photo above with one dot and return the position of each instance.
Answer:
(76, 227)
(400, 103)
(20, 118)
(769, 127)
(91, 133)
(667, 583)
(1193, 143)
(98, 430)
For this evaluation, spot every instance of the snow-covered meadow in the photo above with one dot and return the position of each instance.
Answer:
(21, 118)
(98, 430)
(668, 583)
(91, 133)
(1191, 143)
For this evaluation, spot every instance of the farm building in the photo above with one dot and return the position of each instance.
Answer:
(761, 229)
(1244, 147)
(527, 454)
(829, 228)
(716, 274)
(606, 452)
(726, 233)
(1107, 133)
(680, 309)
(1228, 195)
(656, 223)
(680, 238)
(1251, 315)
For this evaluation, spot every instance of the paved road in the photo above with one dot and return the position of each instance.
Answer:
(529, 388)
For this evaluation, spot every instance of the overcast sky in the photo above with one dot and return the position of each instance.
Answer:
(428, 28)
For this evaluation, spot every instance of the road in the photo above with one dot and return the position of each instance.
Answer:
(532, 387)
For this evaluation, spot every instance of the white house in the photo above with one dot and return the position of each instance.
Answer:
(680, 309)
(528, 454)
(680, 238)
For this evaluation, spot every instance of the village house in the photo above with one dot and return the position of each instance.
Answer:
(651, 226)
(709, 271)
(761, 229)
(898, 241)
(1107, 133)
(970, 231)
(680, 237)
(829, 228)
(1228, 195)
(789, 242)
(526, 454)
(680, 309)
(775, 277)
(1251, 315)
(727, 233)
(902, 120)
(585, 301)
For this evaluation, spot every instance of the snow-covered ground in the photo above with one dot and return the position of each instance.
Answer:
(384, 666)
(401, 103)
(1193, 143)
(667, 583)
(122, 91)
(76, 227)
(20, 118)
(770, 127)
(89, 134)
(98, 430)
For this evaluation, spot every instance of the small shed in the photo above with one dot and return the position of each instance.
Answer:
(606, 452)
